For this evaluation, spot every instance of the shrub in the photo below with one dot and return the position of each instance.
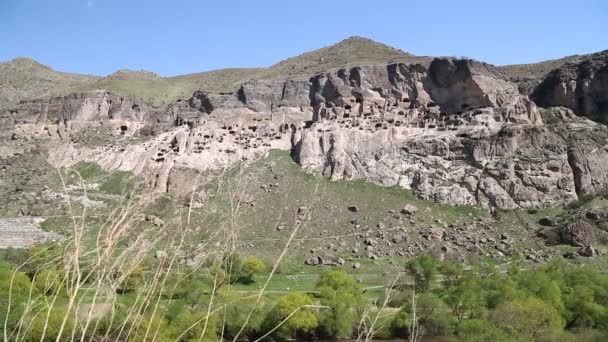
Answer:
(293, 316)
(530, 318)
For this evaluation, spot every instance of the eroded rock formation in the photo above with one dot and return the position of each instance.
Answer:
(581, 86)
(455, 132)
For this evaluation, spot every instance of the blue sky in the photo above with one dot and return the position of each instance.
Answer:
(182, 36)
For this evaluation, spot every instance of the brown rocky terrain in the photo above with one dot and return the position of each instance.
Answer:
(454, 131)
(581, 86)
(528, 76)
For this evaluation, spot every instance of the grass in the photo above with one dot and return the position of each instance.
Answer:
(158, 91)
(117, 183)
(88, 170)
(349, 52)
(25, 79)
(330, 221)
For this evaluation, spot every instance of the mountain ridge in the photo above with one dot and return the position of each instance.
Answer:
(24, 78)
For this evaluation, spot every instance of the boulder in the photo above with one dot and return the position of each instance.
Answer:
(588, 251)
(324, 260)
(409, 209)
(583, 234)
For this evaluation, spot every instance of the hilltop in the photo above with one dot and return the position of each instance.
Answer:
(528, 76)
(351, 51)
(23, 78)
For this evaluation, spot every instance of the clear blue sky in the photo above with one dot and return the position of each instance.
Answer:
(174, 37)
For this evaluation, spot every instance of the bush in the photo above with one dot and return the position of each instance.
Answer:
(478, 330)
(344, 297)
(400, 325)
(250, 267)
(41, 329)
(293, 317)
(423, 270)
(530, 318)
(190, 326)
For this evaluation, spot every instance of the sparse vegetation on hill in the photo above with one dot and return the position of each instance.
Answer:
(24, 78)
(157, 90)
(528, 76)
(349, 52)
(254, 247)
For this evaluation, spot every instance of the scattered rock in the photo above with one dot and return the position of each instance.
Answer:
(398, 238)
(155, 220)
(583, 233)
(409, 209)
(588, 251)
(547, 222)
(324, 260)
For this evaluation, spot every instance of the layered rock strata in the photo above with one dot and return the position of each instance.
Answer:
(455, 132)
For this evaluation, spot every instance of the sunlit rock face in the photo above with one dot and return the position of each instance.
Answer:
(453, 131)
(581, 86)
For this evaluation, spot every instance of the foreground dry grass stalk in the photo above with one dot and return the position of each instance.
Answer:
(389, 293)
(93, 268)
(299, 221)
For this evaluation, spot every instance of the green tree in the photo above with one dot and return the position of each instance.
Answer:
(236, 311)
(400, 325)
(48, 282)
(583, 310)
(130, 279)
(340, 292)
(465, 299)
(190, 326)
(41, 329)
(250, 267)
(433, 315)
(499, 288)
(150, 328)
(540, 285)
(530, 318)
(292, 316)
(451, 271)
(480, 330)
(423, 270)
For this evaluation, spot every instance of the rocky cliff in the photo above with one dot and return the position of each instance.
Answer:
(581, 86)
(453, 130)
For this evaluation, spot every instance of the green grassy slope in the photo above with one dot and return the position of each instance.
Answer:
(349, 52)
(24, 78)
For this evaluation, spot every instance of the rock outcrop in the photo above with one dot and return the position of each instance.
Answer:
(581, 86)
(454, 131)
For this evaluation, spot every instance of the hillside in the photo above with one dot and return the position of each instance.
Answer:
(24, 78)
(340, 198)
(528, 76)
(149, 87)
(351, 51)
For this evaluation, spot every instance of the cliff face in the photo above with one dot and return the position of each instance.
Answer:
(453, 130)
(86, 106)
(581, 86)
